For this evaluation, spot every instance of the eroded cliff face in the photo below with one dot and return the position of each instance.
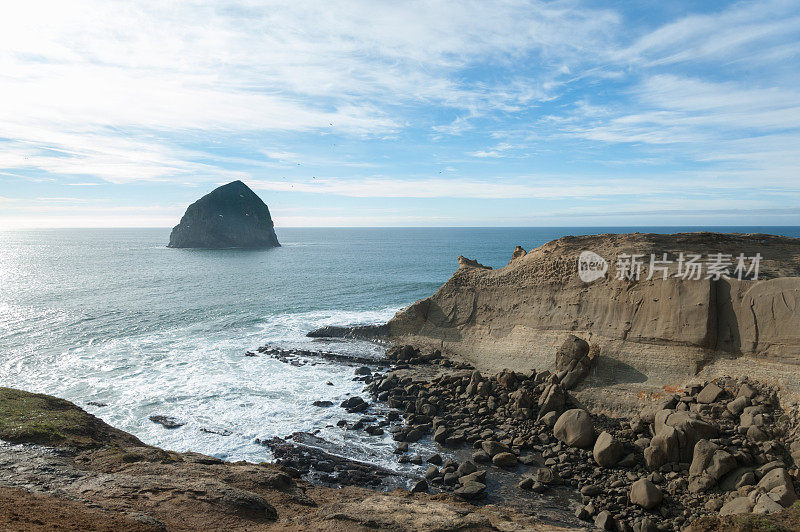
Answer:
(655, 332)
(231, 216)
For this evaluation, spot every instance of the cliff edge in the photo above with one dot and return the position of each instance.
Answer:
(231, 216)
(657, 331)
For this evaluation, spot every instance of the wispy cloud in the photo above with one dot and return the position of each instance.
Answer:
(520, 99)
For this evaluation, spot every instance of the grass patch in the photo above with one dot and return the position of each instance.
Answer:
(45, 420)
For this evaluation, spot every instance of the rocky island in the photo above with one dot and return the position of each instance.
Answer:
(231, 216)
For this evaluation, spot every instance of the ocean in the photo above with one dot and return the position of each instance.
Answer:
(114, 317)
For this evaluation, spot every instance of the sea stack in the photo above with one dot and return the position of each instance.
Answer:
(231, 216)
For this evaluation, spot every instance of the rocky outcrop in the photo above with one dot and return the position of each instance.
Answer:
(655, 332)
(100, 478)
(231, 216)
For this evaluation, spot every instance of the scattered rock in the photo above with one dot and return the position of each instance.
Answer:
(167, 422)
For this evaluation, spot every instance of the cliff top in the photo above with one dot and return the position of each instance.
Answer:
(557, 259)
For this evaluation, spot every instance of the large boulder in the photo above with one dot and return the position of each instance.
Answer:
(778, 485)
(607, 450)
(645, 494)
(710, 460)
(575, 428)
(739, 505)
(231, 216)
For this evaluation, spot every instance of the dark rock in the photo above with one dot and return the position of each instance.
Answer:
(420, 487)
(358, 331)
(470, 490)
(231, 216)
(167, 421)
(322, 404)
(354, 404)
(504, 460)
(435, 459)
(605, 521)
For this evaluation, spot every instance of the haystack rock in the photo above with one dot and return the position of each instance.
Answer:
(649, 333)
(231, 216)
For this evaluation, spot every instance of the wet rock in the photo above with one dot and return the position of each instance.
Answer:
(526, 483)
(466, 468)
(168, 422)
(432, 472)
(354, 404)
(481, 457)
(435, 459)
(322, 404)
(414, 435)
(420, 487)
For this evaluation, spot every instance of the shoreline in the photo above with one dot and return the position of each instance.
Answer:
(498, 449)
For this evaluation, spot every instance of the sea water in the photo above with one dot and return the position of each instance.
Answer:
(112, 316)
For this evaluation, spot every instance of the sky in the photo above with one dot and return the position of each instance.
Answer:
(402, 113)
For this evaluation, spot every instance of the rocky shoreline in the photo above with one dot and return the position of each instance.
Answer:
(710, 450)
(508, 451)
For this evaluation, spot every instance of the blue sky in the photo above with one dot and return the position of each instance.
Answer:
(372, 113)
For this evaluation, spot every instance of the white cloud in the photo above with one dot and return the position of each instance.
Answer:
(748, 31)
(100, 76)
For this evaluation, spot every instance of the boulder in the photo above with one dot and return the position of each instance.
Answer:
(766, 505)
(607, 450)
(645, 494)
(575, 428)
(739, 505)
(709, 460)
(494, 447)
(709, 394)
(231, 216)
(778, 484)
(505, 460)
(470, 490)
(553, 399)
(605, 521)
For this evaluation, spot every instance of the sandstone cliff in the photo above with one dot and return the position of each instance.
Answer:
(650, 332)
(231, 216)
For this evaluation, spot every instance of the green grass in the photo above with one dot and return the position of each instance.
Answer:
(41, 419)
